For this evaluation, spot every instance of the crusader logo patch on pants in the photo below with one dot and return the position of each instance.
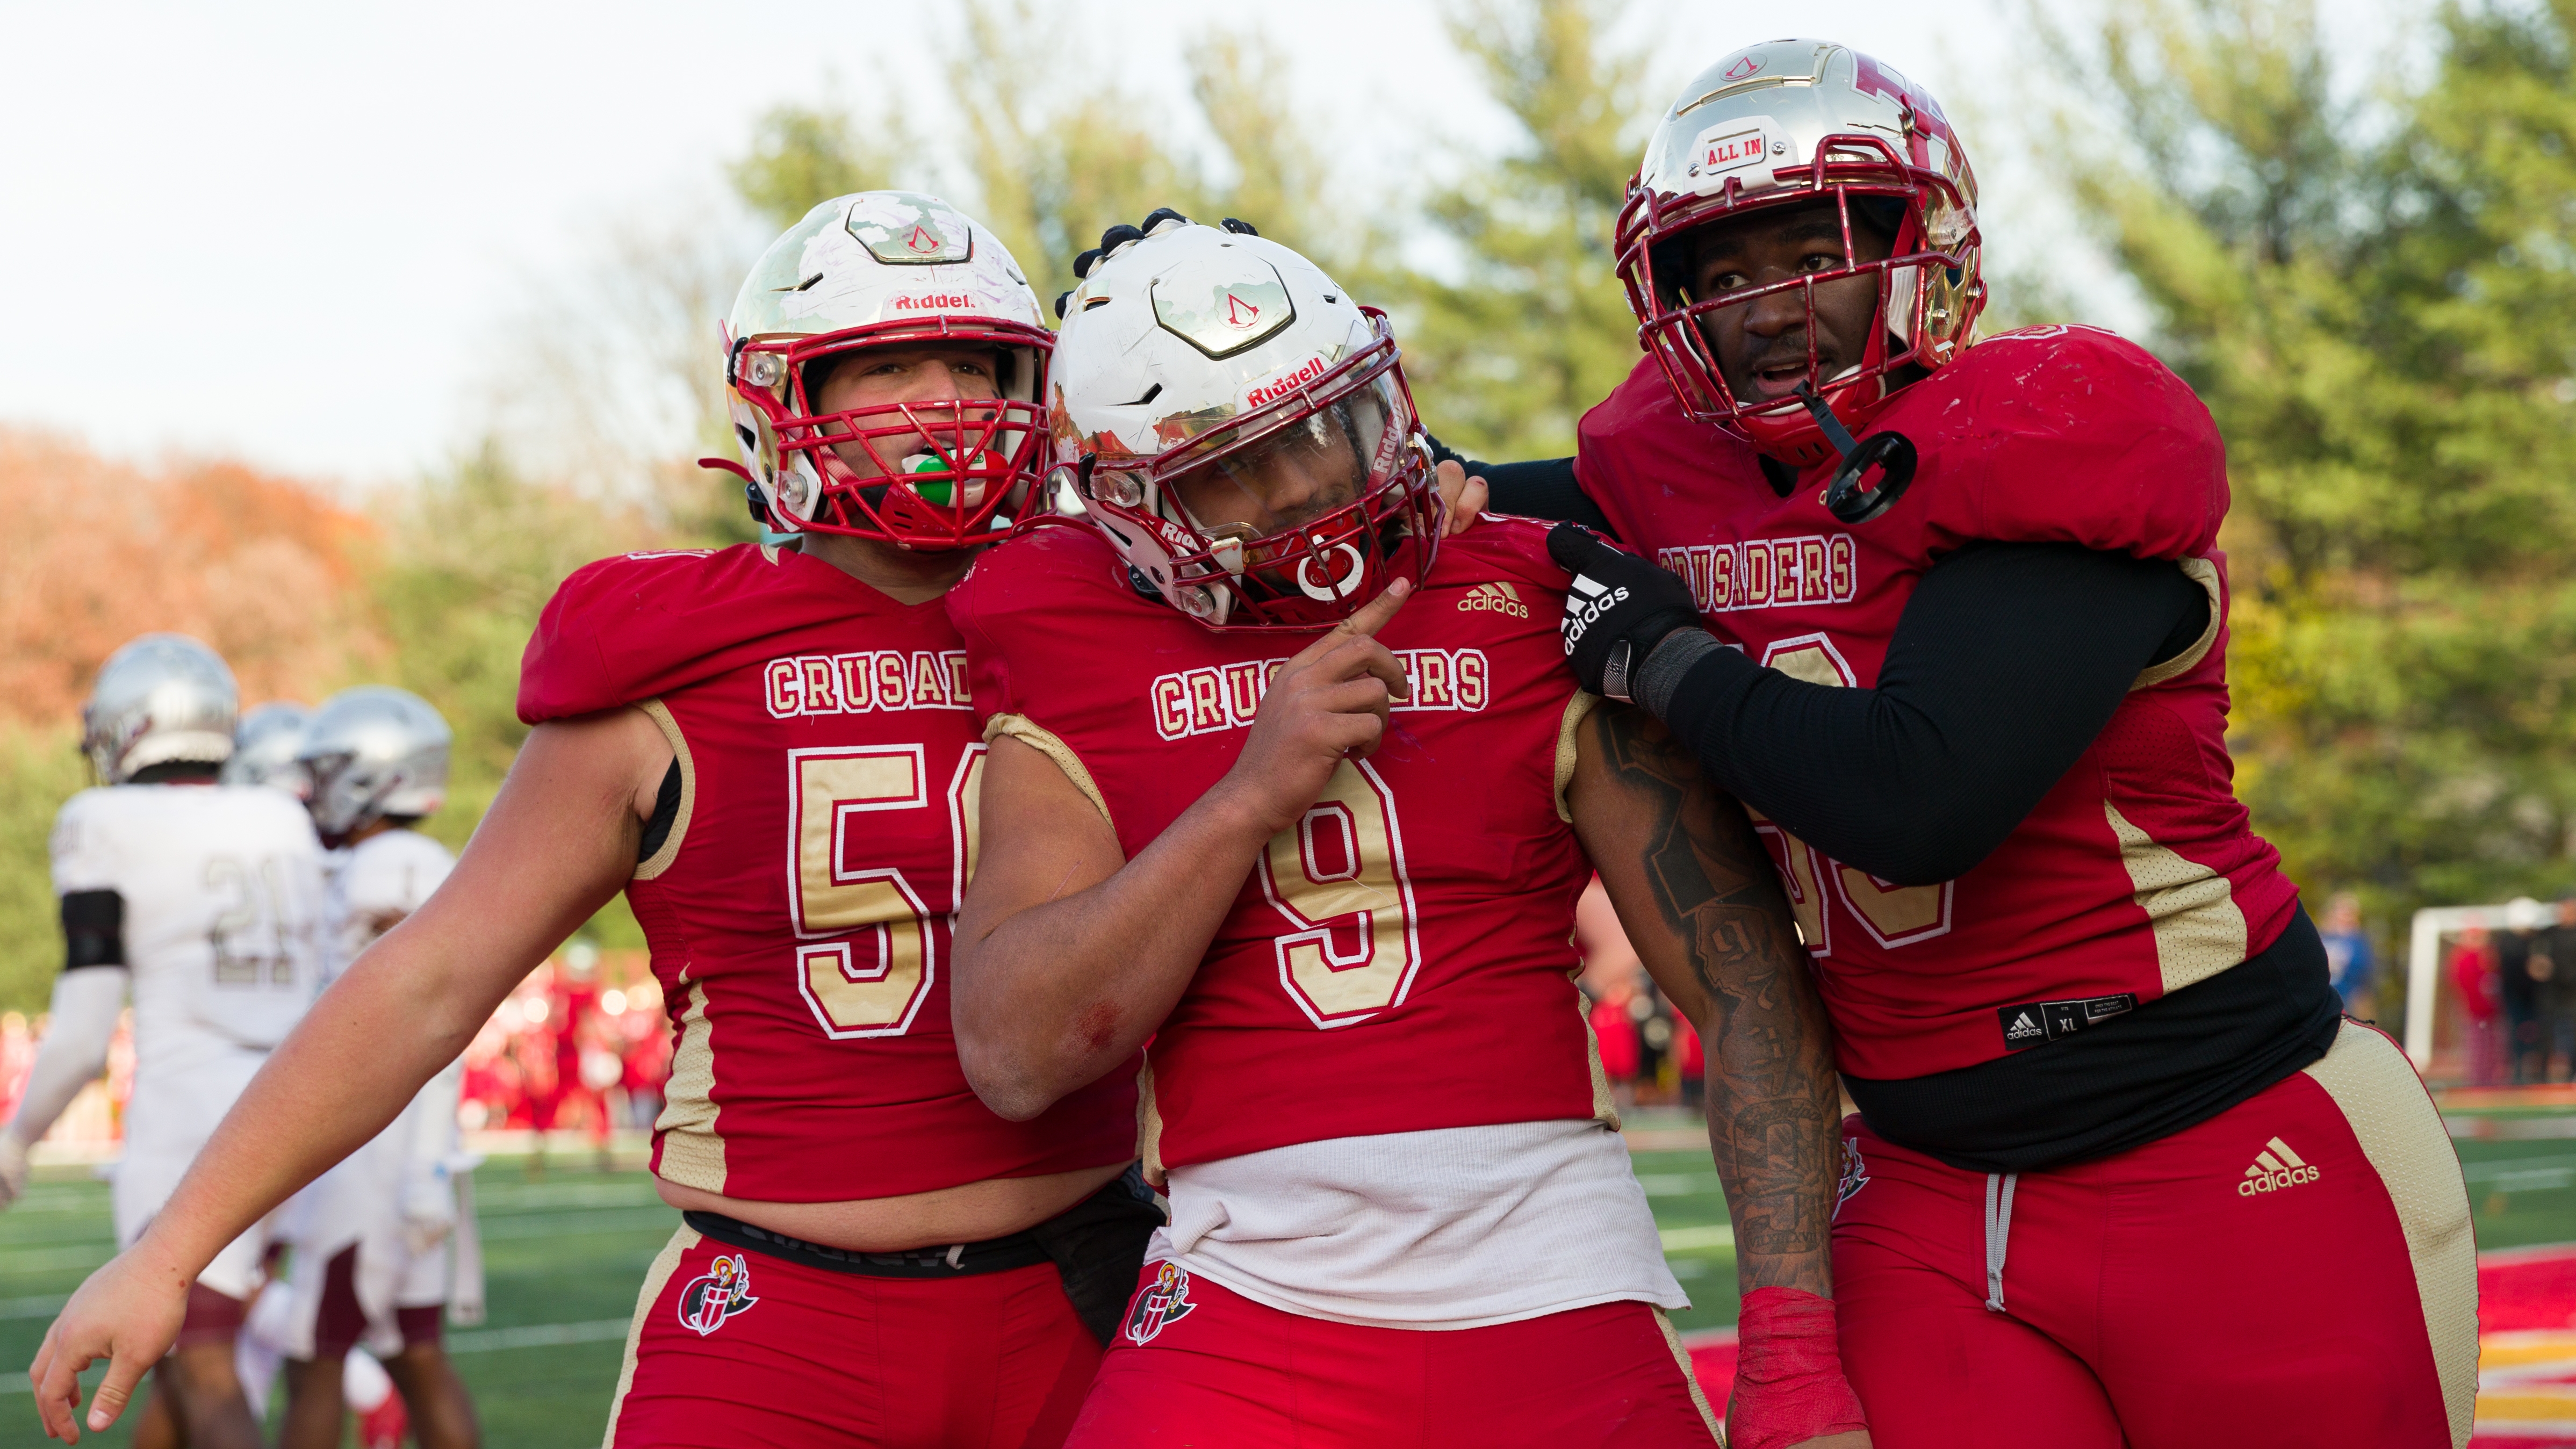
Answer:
(1855, 1174)
(1164, 1303)
(716, 1295)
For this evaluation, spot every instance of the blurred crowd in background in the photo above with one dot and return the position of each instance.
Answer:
(579, 1048)
(2517, 993)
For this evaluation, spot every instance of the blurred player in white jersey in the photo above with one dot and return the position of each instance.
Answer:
(382, 1238)
(206, 900)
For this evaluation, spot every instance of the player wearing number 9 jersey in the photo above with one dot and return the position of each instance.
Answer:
(1398, 1196)
(772, 752)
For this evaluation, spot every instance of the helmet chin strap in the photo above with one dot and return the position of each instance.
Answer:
(1891, 452)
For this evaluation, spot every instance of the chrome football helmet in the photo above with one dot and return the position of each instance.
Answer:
(885, 269)
(1785, 123)
(162, 697)
(264, 748)
(1209, 362)
(374, 751)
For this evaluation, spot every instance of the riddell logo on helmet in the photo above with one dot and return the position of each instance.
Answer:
(922, 301)
(1272, 391)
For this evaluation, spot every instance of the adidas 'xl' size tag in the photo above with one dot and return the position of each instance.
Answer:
(2034, 1022)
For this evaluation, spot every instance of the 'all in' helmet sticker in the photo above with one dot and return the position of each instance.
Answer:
(1164, 1302)
(716, 1295)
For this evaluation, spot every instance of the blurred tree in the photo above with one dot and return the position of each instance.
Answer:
(1050, 165)
(40, 768)
(2373, 290)
(802, 155)
(1526, 327)
(100, 550)
(471, 557)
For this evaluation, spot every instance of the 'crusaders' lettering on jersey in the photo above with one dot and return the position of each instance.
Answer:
(1766, 573)
(1226, 696)
(863, 680)
(2138, 874)
(1398, 959)
(800, 910)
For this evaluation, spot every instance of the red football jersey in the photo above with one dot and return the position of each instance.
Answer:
(800, 911)
(2138, 873)
(1402, 959)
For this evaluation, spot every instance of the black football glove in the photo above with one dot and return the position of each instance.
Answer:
(1619, 609)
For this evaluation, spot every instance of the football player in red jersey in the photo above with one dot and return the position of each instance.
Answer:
(772, 752)
(1952, 619)
(1305, 797)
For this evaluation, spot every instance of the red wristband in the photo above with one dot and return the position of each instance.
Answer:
(1789, 1384)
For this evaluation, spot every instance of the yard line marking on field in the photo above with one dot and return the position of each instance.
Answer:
(43, 1305)
(1683, 1240)
(597, 1330)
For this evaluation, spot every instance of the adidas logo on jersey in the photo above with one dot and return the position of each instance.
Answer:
(1495, 598)
(2025, 1027)
(2275, 1169)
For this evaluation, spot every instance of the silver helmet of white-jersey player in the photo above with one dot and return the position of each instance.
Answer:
(162, 697)
(375, 751)
(265, 745)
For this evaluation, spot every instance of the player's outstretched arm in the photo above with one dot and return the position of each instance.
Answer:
(1068, 954)
(1699, 900)
(557, 843)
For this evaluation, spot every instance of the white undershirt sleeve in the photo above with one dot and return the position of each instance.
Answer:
(86, 1001)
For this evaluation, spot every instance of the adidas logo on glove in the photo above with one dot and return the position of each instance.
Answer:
(1585, 606)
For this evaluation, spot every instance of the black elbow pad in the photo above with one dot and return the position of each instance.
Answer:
(93, 929)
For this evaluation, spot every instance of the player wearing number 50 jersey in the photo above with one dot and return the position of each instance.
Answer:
(2121, 1175)
(1333, 878)
(772, 752)
(205, 900)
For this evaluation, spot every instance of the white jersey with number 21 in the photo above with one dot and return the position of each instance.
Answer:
(223, 934)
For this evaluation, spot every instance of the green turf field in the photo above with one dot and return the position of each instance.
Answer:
(563, 1255)
(565, 1252)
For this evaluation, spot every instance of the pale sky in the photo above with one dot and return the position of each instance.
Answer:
(288, 232)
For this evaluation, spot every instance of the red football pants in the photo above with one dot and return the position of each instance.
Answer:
(733, 1348)
(2297, 1270)
(1196, 1364)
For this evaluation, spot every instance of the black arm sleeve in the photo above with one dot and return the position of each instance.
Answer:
(93, 929)
(1544, 488)
(2009, 659)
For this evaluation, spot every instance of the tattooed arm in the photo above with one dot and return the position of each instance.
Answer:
(1702, 905)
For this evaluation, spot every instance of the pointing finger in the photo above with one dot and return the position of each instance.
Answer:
(1372, 616)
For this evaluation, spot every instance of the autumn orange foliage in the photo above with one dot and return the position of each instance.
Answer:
(264, 568)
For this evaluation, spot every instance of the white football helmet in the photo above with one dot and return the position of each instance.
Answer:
(1784, 123)
(264, 748)
(1194, 352)
(885, 269)
(374, 751)
(162, 697)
